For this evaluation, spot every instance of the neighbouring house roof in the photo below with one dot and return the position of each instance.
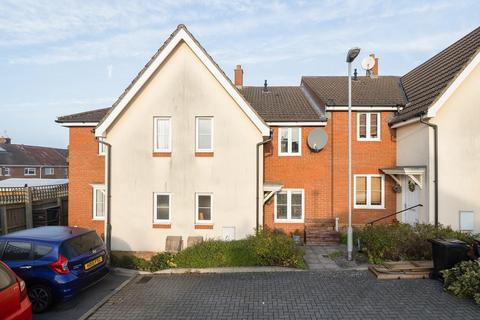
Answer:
(19, 154)
(366, 91)
(180, 34)
(93, 116)
(279, 104)
(426, 83)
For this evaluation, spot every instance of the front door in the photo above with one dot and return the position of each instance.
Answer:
(411, 197)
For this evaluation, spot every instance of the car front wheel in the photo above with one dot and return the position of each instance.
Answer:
(40, 297)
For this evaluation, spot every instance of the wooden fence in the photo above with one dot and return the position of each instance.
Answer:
(28, 207)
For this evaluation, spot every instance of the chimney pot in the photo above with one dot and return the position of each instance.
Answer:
(374, 71)
(238, 76)
(5, 140)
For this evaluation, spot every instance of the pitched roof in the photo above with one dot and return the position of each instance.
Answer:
(19, 154)
(282, 104)
(88, 116)
(366, 91)
(427, 82)
(180, 34)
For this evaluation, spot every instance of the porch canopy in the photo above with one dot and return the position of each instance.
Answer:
(416, 173)
(270, 188)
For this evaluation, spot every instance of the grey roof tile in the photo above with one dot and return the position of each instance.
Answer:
(19, 154)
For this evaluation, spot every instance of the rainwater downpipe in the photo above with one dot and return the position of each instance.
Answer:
(435, 160)
(108, 226)
(258, 177)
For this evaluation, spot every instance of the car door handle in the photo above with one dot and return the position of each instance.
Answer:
(26, 267)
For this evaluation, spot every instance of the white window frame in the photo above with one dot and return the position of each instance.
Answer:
(289, 147)
(197, 149)
(368, 127)
(25, 170)
(52, 172)
(289, 207)
(155, 134)
(7, 171)
(368, 191)
(101, 187)
(155, 219)
(198, 221)
(102, 149)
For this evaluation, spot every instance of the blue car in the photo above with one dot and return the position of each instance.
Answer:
(55, 262)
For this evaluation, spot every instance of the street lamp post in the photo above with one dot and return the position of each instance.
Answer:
(352, 54)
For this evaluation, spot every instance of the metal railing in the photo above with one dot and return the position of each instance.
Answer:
(394, 214)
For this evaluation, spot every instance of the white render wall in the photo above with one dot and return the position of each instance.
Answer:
(413, 150)
(182, 88)
(459, 148)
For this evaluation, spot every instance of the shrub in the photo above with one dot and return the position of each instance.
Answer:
(464, 280)
(403, 242)
(276, 249)
(163, 260)
(132, 262)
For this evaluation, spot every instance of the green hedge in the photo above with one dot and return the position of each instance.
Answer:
(266, 248)
(464, 280)
(403, 242)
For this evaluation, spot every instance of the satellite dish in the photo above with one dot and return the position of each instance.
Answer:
(317, 139)
(368, 63)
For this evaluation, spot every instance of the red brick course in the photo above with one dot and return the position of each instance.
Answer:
(324, 175)
(86, 167)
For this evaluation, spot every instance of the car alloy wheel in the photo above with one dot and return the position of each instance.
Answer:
(40, 297)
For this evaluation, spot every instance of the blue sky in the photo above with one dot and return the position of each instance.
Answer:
(62, 57)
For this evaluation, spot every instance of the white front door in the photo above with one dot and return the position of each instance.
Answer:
(411, 197)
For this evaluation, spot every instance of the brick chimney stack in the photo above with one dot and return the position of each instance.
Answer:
(374, 71)
(5, 140)
(238, 77)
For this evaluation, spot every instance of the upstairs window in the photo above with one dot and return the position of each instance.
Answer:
(369, 191)
(6, 172)
(99, 202)
(368, 126)
(289, 141)
(204, 134)
(289, 205)
(29, 171)
(162, 134)
(49, 171)
(102, 148)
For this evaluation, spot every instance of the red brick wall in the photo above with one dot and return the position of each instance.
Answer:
(86, 167)
(324, 175)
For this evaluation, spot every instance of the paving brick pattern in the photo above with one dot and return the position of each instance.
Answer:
(286, 295)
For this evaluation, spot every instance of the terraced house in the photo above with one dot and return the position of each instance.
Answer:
(184, 151)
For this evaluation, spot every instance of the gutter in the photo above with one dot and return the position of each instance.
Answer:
(435, 145)
(108, 226)
(258, 178)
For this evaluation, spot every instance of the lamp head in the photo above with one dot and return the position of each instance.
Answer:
(352, 54)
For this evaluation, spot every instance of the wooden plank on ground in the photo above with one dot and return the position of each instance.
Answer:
(383, 273)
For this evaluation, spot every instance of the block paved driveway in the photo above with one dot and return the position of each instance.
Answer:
(284, 295)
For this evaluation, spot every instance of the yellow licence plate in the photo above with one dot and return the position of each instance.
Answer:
(93, 263)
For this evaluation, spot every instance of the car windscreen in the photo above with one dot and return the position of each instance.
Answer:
(80, 245)
(6, 277)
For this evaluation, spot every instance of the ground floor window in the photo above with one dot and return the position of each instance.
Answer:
(29, 171)
(49, 171)
(204, 205)
(98, 202)
(289, 205)
(161, 205)
(369, 191)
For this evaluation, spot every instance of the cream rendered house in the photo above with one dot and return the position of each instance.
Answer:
(444, 97)
(183, 152)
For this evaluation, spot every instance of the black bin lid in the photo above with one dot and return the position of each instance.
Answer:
(449, 242)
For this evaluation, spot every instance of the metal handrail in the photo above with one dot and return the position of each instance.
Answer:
(394, 214)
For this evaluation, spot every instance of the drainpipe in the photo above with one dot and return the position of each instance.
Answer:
(258, 178)
(108, 226)
(435, 160)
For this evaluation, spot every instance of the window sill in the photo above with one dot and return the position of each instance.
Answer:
(203, 154)
(289, 221)
(161, 154)
(98, 219)
(369, 207)
(204, 226)
(289, 154)
(368, 140)
(162, 226)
